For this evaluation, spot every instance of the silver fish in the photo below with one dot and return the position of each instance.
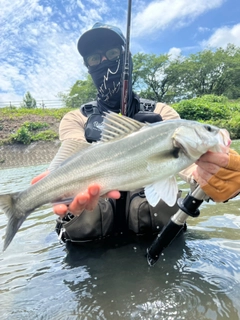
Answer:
(130, 155)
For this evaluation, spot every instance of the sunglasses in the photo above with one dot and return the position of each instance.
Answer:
(96, 58)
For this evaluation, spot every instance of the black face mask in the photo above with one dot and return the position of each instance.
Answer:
(107, 79)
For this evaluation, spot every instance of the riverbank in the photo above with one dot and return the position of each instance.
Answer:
(19, 155)
(37, 152)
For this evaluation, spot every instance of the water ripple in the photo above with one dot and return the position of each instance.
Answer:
(198, 277)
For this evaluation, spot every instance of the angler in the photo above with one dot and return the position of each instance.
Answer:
(103, 51)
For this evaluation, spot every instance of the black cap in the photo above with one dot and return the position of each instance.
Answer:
(99, 36)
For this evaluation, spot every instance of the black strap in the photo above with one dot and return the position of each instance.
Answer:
(120, 221)
(93, 126)
(147, 116)
(87, 108)
(95, 118)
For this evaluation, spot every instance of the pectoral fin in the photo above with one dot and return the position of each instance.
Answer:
(166, 190)
(63, 201)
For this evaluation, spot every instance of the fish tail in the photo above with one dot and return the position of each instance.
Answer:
(15, 218)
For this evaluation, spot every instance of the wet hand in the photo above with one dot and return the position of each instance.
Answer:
(218, 174)
(40, 176)
(83, 201)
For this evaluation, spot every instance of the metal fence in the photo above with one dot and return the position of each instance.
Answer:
(41, 104)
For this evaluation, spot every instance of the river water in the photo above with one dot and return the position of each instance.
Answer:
(196, 277)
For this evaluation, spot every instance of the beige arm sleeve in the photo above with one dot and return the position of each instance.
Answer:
(186, 174)
(166, 112)
(72, 135)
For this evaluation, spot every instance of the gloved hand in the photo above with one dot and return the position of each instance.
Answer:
(218, 174)
(83, 201)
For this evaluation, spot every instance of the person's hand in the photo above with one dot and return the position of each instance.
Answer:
(83, 201)
(218, 174)
(40, 176)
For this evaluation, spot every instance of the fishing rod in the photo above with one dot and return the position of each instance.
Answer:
(187, 207)
(125, 78)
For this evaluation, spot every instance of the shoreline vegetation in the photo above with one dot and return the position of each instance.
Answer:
(30, 136)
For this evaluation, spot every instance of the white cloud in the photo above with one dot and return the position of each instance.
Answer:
(223, 36)
(38, 51)
(37, 54)
(203, 29)
(160, 14)
(174, 53)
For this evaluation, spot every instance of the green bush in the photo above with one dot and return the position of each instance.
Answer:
(204, 108)
(232, 125)
(46, 135)
(32, 126)
(23, 135)
(216, 110)
(27, 133)
(213, 98)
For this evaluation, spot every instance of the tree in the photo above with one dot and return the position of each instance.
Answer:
(211, 72)
(206, 72)
(163, 78)
(81, 92)
(28, 101)
(157, 77)
(149, 75)
(232, 91)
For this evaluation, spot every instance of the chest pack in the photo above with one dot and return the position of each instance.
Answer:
(95, 118)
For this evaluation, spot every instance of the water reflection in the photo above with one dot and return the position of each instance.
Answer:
(190, 281)
(197, 277)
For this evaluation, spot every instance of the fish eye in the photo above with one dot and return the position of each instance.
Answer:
(208, 128)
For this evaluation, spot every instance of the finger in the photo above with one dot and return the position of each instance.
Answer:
(201, 176)
(79, 203)
(219, 159)
(113, 194)
(94, 193)
(39, 177)
(208, 167)
(60, 209)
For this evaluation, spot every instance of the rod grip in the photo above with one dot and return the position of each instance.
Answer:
(163, 239)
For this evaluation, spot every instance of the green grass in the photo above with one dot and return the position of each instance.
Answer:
(13, 113)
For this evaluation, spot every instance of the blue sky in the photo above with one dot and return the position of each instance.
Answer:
(38, 37)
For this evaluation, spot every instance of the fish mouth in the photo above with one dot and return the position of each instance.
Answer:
(177, 146)
(225, 137)
(189, 141)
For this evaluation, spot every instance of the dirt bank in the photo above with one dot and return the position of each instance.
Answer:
(18, 155)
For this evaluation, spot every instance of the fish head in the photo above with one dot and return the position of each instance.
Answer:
(195, 139)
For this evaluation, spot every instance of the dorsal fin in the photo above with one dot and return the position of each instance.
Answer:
(116, 126)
